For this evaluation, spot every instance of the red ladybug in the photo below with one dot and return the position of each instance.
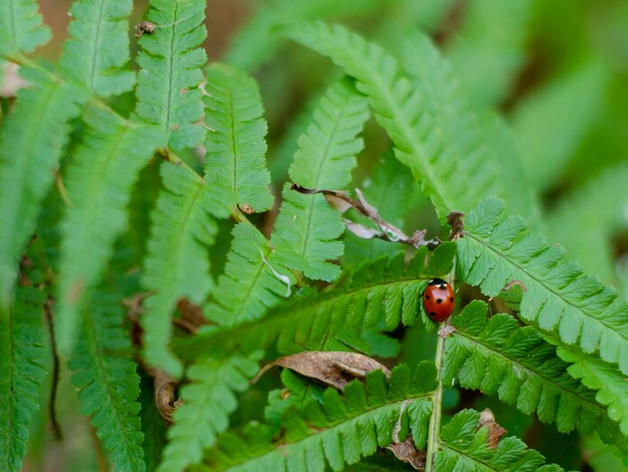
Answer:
(438, 300)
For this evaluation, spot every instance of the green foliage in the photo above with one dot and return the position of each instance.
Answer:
(170, 71)
(176, 263)
(21, 27)
(99, 183)
(21, 373)
(98, 50)
(339, 430)
(306, 224)
(234, 165)
(464, 447)
(558, 299)
(400, 107)
(108, 384)
(489, 47)
(497, 356)
(32, 139)
(209, 400)
(381, 293)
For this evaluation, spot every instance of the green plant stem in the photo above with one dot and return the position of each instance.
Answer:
(437, 401)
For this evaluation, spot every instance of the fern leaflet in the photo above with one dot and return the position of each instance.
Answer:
(98, 49)
(176, 263)
(559, 298)
(108, 384)
(379, 293)
(254, 279)
(465, 448)
(21, 27)
(99, 182)
(32, 139)
(234, 165)
(307, 225)
(170, 71)
(339, 430)
(495, 355)
(21, 373)
(399, 108)
(208, 401)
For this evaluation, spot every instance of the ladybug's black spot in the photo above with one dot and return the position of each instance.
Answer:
(439, 300)
(451, 299)
(432, 314)
(427, 297)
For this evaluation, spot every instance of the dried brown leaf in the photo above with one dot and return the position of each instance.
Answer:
(454, 220)
(406, 451)
(166, 394)
(495, 431)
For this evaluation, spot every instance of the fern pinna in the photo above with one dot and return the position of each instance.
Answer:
(165, 339)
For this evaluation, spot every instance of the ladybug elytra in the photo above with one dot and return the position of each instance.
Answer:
(438, 300)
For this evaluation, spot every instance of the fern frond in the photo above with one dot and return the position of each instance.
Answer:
(176, 263)
(307, 225)
(497, 356)
(99, 183)
(108, 383)
(338, 431)
(21, 373)
(22, 28)
(256, 42)
(379, 293)
(170, 71)
(235, 168)
(97, 52)
(32, 139)
(254, 279)
(465, 448)
(400, 109)
(586, 220)
(209, 399)
(559, 298)
(572, 103)
(490, 47)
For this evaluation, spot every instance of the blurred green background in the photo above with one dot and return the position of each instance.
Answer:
(556, 70)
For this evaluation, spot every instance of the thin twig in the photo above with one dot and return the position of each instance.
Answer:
(52, 400)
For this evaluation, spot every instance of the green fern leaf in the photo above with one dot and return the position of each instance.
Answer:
(21, 373)
(21, 27)
(98, 48)
(32, 139)
(465, 448)
(380, 293)
(400, 109)
(490, 47)
(559, 298)
(340, 430)
(234, 165)
(99, 182)
(177, 263)
(254, 279)
(497, 356)
(108, 384)
(306, 224)
(208, 401)
(170, 71)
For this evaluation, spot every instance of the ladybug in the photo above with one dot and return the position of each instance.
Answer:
(438, 300)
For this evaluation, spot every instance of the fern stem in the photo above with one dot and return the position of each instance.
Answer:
(437, 400)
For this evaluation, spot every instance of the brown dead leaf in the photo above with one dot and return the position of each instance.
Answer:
(246, 208)
(512, 283)
(144, 27)
(166, 394)
(191, 316)
(406, 451)
(454, 220)
(334, 368)
(495, 431)
(11, 81)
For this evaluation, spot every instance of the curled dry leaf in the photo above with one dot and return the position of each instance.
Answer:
(246, 208)
(166, 394)
(334, 368)
(191, 316)
(495, 431)
(342, 202)
(406, 451)
(144, 27)
(454, 220)
(512, 283)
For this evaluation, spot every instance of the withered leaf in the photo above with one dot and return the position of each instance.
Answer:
(406, 451)
(495, 431)
(166, 394)
(454, 220)
(334, 368)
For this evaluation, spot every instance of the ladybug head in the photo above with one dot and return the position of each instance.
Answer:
(437, 282)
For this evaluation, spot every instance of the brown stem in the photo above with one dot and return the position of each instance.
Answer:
(54, 424)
